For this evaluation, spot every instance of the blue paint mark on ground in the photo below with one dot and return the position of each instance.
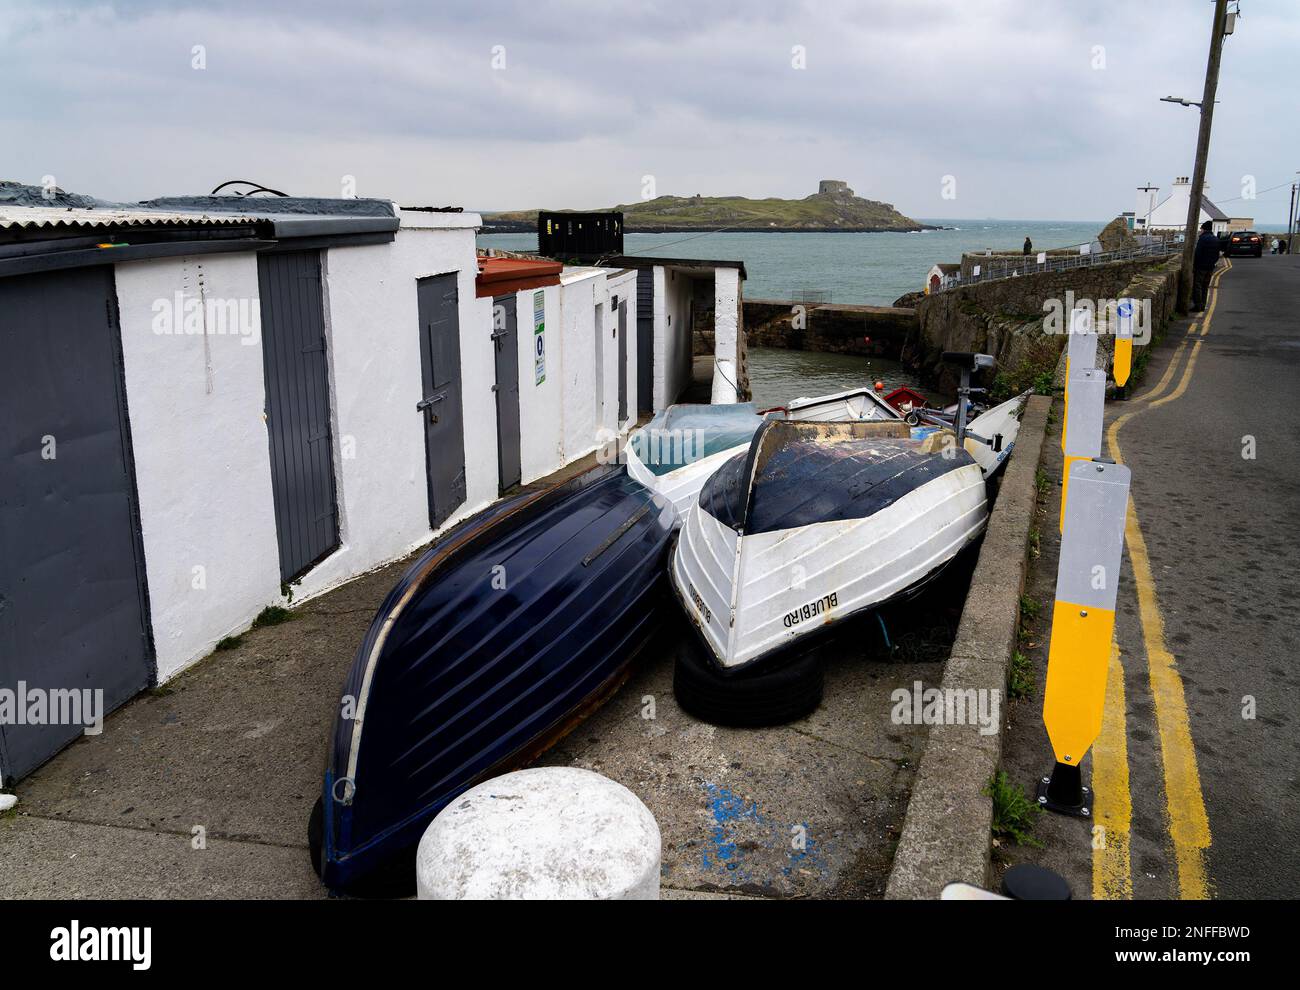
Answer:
(743, 840)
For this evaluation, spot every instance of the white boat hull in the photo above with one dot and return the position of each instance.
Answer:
(752, 594)
(681, 486)
(1003, 420)
(853, 405)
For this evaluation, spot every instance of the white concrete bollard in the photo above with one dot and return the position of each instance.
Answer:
(549, 833)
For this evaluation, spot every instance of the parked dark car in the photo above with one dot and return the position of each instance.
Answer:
(1244, 242)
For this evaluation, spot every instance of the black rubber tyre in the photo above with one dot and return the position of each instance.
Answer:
(787, 692)
(316, 834)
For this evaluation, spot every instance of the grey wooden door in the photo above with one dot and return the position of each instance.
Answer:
(297, 408)
(645, 339)
(73, 605)
(440, 403)
(622, 359)
(505, 339)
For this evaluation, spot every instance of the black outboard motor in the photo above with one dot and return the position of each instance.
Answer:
(968, 363)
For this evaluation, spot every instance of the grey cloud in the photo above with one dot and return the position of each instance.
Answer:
(1000, 94)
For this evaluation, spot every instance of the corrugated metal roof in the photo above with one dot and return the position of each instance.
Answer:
(288, 216)
(53, 217)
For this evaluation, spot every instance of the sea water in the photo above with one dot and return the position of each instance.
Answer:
(871, 269)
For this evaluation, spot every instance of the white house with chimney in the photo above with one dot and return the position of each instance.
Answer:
(1166, 210)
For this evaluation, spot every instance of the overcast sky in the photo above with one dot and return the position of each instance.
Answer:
(1040, 109)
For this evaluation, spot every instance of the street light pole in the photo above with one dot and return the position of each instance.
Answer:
(1202, 153)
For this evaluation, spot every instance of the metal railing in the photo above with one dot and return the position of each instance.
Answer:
(821, 297)
(994, 267)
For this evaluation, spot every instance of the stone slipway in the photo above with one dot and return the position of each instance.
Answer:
(203, 787)
(946, 832)
(232, 751)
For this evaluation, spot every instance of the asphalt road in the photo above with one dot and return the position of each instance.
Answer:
(1222, 531)
(1195, 771)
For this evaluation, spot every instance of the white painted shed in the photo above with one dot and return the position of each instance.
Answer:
(216, 404)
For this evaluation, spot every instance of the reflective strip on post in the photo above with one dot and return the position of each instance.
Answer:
(1083, 619)
(1123, 363)
(1080, 352)
(1084, 419)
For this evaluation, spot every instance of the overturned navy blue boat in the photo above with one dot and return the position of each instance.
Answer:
(498, 641)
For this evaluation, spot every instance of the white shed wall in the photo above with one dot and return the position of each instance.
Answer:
(541, 429)
(726, 313)
(201, 450)
(581, 402)
(372, 323)
(202, 458)
(202, 461)
(672, 335)
(623, 287)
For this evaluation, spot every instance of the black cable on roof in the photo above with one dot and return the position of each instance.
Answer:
(257, 188)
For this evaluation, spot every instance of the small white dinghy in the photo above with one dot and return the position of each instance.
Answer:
(852, 406)
(675, 452)
(818, 522)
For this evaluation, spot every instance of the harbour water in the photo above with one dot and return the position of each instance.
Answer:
(776, 376)
(871, 269)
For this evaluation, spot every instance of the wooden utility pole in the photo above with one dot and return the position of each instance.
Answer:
(1290, 222)
(1202, 153)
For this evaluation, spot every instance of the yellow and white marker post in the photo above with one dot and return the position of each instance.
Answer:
(1083, 423)
(1083, 623)
(1080, 352)
(1122, 365)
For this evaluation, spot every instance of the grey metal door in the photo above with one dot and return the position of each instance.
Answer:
(73, 605)
(297, 408)
(622, 359)
(645, 339)
(505, 338)
(440, 402)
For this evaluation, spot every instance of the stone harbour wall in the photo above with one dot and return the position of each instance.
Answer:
(1005, 318)
(836, 329)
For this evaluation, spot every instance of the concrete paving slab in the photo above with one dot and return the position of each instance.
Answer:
(72, 860)
(236, 744)
(806, 810)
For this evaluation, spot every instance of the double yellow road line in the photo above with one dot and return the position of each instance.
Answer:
(1189, 826)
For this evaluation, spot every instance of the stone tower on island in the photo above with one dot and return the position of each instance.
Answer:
(834, 188)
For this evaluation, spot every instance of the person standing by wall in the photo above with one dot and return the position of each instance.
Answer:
(1029, 246)
(1203, 263)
